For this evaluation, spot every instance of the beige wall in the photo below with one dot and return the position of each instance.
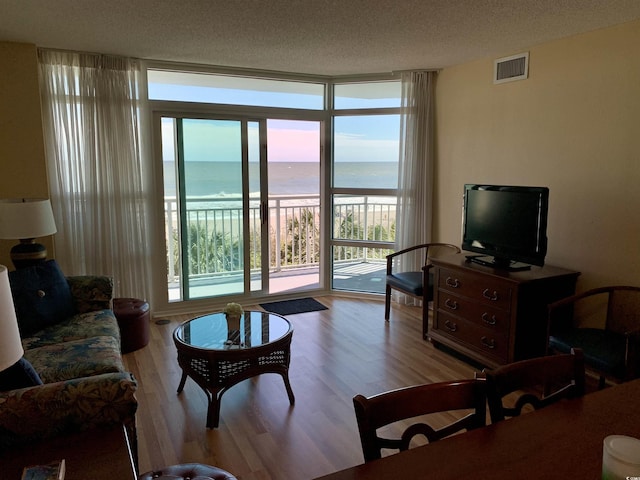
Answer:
(574, 126)
(22, 161)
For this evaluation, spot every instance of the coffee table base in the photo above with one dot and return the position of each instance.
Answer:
(215, 371)
(214, 397)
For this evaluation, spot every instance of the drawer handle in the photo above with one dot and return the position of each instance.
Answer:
(452, 327)
(451, 304)
(489, 320)
(452, 282)
(493, 297)
(489, 343)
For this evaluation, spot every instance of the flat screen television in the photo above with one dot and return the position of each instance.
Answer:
(505, 225)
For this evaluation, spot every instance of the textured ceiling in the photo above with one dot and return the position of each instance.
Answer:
(328, 37)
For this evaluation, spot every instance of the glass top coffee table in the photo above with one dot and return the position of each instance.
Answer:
(217, 355)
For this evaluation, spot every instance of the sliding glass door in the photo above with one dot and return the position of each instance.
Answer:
(242, 206)
(207, 212)
(293, 152)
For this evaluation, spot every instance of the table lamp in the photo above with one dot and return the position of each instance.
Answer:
(25, 219)
(10, 344)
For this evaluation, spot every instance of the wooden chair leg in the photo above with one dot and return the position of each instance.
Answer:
(387, 303)
(602, 382)
(425, 318)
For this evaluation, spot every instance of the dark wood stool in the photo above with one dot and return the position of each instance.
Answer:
(188, 471)
(133, 320)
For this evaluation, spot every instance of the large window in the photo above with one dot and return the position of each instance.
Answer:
(247, 176)
(366, 132)
(200, 87)
(361, 95)
(366, 151)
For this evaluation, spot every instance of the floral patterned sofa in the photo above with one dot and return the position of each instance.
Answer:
(78, 359)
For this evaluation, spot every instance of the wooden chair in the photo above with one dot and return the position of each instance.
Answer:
(417, 284)
(605, 324)
(537, 382)
(394, 406)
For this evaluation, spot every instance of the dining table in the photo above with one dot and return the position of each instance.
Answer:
(563, 440)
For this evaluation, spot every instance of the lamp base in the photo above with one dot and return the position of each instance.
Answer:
(28, 253)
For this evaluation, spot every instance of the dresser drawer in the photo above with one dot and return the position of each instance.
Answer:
(486, 341)
(480, 313)
(482, 288)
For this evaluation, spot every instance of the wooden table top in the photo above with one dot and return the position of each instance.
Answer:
(561, 441)
(94, 454)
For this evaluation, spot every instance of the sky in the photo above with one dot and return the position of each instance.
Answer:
(357, 139)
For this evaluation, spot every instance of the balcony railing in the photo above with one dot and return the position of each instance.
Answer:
(215, 230)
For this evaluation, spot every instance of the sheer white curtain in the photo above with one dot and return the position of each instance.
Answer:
(415, 176)
(91, 112)
(414, 214)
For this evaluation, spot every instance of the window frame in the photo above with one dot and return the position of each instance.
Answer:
(325, 115)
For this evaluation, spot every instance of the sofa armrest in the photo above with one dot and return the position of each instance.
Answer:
(53, 409)
(91, 292)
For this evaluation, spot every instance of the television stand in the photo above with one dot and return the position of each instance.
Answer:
(493, 316)
(499, 263)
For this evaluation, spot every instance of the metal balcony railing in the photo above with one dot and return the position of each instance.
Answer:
(214, 235)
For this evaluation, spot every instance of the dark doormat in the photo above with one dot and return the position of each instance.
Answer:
(290, 307)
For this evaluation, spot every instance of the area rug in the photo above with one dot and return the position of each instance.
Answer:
(291, 307)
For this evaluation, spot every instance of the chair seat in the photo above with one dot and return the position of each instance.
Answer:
(603, 350)
(410, 282)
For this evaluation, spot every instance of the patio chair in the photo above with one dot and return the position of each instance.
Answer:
(417, 284)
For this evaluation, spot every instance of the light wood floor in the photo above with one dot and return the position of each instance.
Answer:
(336, 353)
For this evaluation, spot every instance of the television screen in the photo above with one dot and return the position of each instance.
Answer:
(508, 223)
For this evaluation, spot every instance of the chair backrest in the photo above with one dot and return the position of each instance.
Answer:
(435, 249)
(623, 311)
(394, 406)
(614, 308)
(537, 382)
(416, 257)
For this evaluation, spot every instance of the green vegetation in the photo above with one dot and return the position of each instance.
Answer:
(217, 251)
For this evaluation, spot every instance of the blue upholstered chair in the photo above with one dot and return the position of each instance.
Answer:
(605, 324)
(415, 283)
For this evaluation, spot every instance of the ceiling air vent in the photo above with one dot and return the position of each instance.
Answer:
(508, 69)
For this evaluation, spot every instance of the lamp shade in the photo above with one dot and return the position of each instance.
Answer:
(10, 344)
(25, 218)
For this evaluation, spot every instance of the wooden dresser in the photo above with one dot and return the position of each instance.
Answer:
(494, 316)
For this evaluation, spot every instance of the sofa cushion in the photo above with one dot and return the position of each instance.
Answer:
(41, 296)
(91, 292)
(76, 359)
(20, 375)
(84, 325)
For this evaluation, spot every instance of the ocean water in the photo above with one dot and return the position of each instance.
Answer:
(285, 178)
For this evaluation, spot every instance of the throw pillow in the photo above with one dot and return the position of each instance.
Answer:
(41, 296)
(19, 375)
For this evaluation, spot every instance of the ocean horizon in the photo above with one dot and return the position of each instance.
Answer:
(214, 179)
